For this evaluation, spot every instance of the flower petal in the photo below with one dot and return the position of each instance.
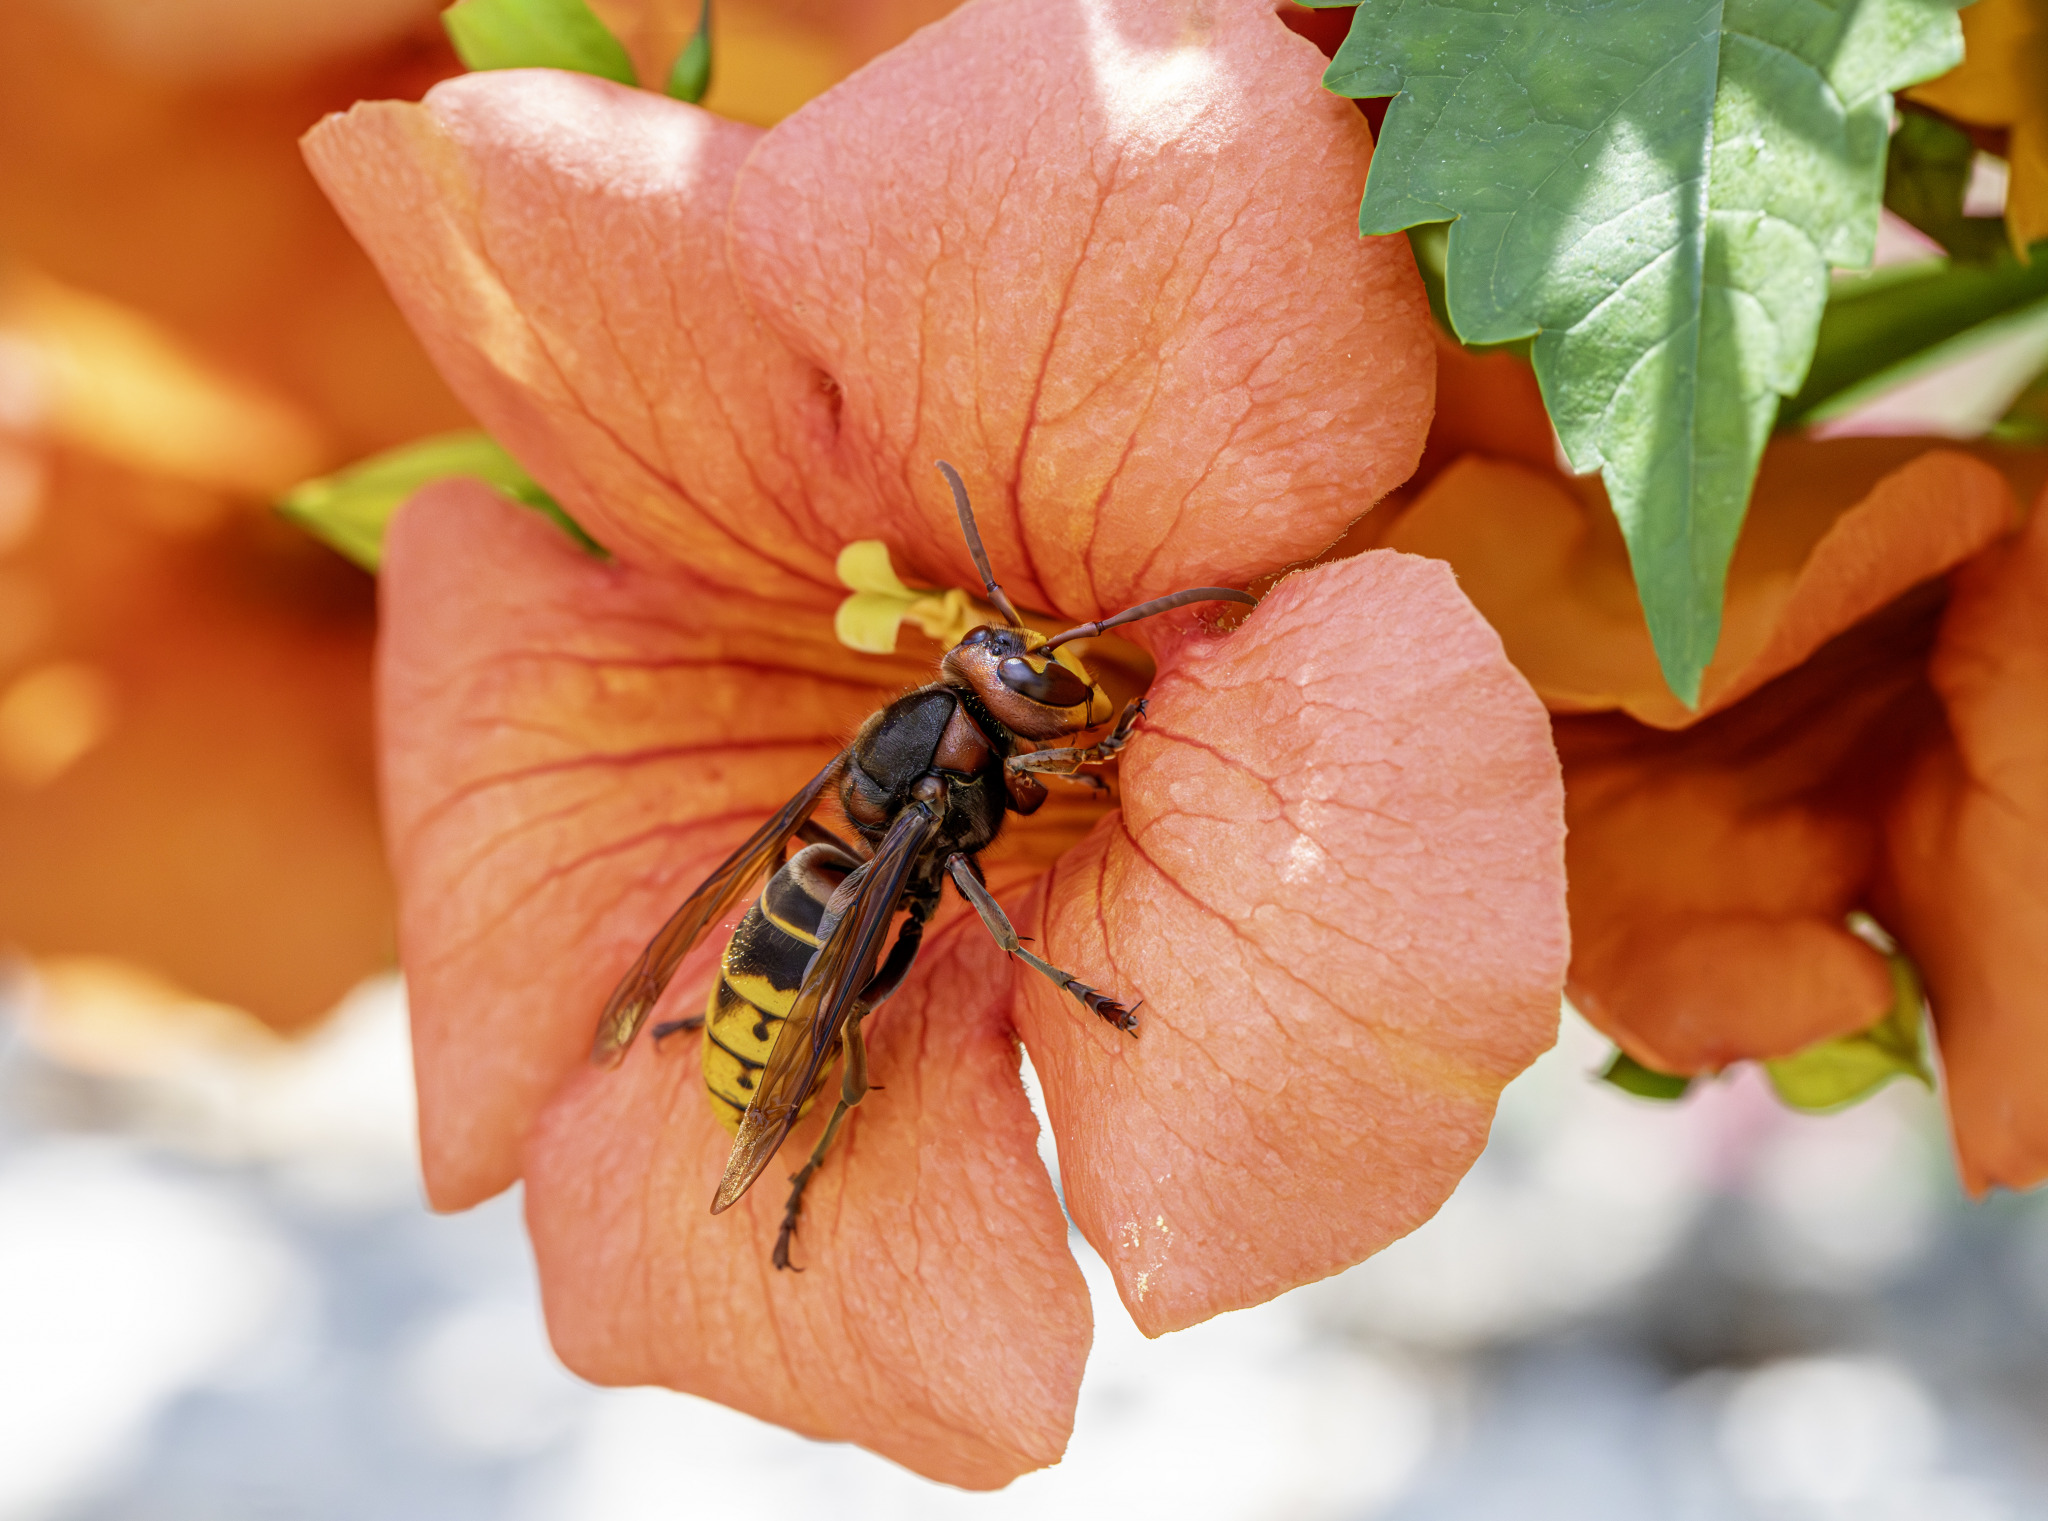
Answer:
(1102, 255)
(1836, 531)
(941, 1320)
(569, 747)
(1486, 403)
(1547, 569)
(1337, 884)
(1712, 868)
(558, 242)
(1967, 845)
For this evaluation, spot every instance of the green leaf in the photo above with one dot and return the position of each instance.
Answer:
(1841, 1071)
(1653, 190)
(691, 76)
(1430, 243)
(1631, 1076)
(535, 34)
(2026, 420)
(1926, 176)
(1881, 328)
(350, 509)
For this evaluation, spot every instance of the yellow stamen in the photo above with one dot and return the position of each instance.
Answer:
(881, 604)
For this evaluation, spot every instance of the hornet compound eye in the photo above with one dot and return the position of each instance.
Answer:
(1055, 686)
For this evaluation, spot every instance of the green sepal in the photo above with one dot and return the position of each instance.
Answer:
(350, 509)
(1889, 325)
(1926, 176)
(536, 34)
(1841, 1071)
(691, 76)
(1631, 1076)
(2026, 420)
(1653, 190)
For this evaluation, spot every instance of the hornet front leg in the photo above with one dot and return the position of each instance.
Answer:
(1068, 760)
(961, 869)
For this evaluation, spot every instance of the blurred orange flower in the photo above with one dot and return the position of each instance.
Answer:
(1126, 294)
(1872, 735)
(2002, 83)
(185, 330)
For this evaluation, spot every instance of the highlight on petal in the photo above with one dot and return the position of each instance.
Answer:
(569, 746)
(1965, 851)
(558, 242)
(1125, 291)
(1337, 884)
(941, 1321)
(1102, 255)
(1836, 530)
(1713, 869)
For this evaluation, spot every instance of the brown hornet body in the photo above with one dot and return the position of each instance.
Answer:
(926, 784)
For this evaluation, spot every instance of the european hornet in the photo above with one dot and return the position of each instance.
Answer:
(926, 785)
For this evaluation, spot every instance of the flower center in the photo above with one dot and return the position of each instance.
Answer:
(880, 604)
(870, 619)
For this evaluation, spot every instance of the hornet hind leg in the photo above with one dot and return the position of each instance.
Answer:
(853, 1078)
(801, 1178)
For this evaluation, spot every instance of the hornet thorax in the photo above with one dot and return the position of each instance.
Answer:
(930, 732)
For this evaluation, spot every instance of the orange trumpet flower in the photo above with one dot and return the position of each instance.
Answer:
(1103, 256)
(1871, 737)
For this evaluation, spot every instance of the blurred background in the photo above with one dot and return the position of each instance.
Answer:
(220, 1294)
(220, 1297)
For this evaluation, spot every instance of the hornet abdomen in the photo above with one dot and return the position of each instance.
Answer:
(760, 974)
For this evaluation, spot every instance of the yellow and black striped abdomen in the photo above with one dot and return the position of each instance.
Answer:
(760, 974)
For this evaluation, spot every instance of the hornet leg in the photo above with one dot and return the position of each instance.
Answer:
(853, 1077)
(802, 1178)
(998, 923)
(1063, 762)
